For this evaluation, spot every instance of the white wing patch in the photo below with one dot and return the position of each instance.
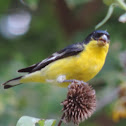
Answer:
(61, 78)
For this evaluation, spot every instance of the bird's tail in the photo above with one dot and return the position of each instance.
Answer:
(12, 82)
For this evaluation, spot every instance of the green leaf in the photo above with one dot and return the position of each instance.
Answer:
(31, 121)
(27, 121)
(50, 122)
(41, 122)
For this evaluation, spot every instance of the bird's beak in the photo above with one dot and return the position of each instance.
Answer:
(103, 40)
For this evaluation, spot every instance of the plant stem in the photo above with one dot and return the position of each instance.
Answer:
(109, 13)
(121, 4)
(60, 122)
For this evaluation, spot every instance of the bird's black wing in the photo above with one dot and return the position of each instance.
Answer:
(68, 51)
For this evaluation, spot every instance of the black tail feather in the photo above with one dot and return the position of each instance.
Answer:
(28, 69)
(12, 82)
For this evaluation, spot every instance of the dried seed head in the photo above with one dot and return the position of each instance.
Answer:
(80, 103)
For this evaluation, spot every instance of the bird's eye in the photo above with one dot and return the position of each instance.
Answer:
(97, 36)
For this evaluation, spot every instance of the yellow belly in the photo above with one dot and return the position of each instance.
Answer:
(74, 68)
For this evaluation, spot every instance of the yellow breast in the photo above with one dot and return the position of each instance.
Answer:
(92, 60)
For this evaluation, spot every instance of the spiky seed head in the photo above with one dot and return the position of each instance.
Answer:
(80, 102)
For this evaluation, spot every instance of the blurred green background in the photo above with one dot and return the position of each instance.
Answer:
(31, 30)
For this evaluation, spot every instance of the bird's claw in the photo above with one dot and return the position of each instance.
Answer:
(75, 81)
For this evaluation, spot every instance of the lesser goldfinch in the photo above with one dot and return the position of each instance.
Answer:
(80, 61)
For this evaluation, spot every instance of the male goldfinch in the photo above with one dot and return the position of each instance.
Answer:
(80, 61)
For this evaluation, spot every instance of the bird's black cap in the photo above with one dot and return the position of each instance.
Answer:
(96, 35)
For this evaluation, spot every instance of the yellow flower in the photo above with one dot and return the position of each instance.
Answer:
(119, 110)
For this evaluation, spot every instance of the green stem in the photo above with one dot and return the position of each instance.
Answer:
(122, 4)
(109, 13)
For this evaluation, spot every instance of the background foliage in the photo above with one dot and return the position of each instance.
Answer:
(33, 29)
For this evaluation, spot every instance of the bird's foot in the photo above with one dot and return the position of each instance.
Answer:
(75, 81)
